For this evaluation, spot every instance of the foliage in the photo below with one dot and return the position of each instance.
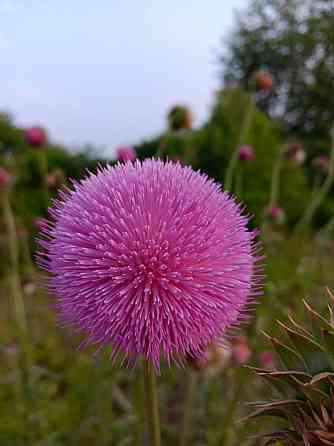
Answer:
(294, 40)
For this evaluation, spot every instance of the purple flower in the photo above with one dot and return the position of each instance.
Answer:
(246, 153)
(240, 351)
(266, 359)
(126, 153)
(5, 178)
(152, 258)
(36, 136)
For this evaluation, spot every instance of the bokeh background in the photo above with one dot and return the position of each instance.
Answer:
(242, 90)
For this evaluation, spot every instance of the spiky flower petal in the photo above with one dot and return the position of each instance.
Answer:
(152, 258)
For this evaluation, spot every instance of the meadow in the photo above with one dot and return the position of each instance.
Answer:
(54, 394)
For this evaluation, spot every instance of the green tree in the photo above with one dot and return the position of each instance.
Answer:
(293, 40)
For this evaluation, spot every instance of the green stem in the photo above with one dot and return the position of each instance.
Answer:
(25, 361)
(235, 155)
(229, 414)
(43, 169)
(152, 411)
(188, 408)
(310, 211)
(275, 181)
(238, 183)
(138, 401)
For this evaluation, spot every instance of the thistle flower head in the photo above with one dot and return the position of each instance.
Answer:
(36, 136)
(126, 153)
(151, 258)
(246, 153)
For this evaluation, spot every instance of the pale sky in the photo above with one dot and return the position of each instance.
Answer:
(106, 71)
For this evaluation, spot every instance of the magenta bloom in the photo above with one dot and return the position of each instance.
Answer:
(36, 136)
(5, 178)
(266, 359)
(126, 153)
(152, 258)
(246, 153)
(241, 352)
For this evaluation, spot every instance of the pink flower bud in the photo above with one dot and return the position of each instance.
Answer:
(266, 359)
(241, 352)
(246, 153)
(126, 153)
(36, 136)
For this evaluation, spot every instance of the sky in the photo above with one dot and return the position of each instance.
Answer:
(106, 72)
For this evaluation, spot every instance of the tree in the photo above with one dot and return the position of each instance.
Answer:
(293, 40)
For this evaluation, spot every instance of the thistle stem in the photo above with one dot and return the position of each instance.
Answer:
(188, 406)
(319, 197)
(25, 361)
(275, 181)
(235, 155)
(152, 411)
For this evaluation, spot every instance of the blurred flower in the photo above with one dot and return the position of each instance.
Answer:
(5, 178)
(264, 80)
(246, 153)
(321, 163)
(11, 349)
(275, 213)
(126, 153)
(296, 153)
(240, 350)
(152, 258)
(266, 359)
(213, 360)
(55, 179)
(180, 118)
(29, 288)
(36, 136)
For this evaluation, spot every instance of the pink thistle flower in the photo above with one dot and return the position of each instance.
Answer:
(5, 178)
(36, 136)
(240, 351)
(126, 153)
(275, 213)
(266, 359)
(246, 153)
(151, 258)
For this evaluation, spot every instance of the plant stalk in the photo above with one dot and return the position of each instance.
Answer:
(188, 408)
(152, 410)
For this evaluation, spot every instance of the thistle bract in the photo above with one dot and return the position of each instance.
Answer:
(151, 258)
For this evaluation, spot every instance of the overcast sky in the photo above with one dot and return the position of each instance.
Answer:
(106, 71)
